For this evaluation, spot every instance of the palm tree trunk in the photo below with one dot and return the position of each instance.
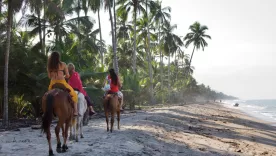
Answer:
(134, 43)
(190, 62)
(149, 57)
(169, 81)
(100, 28)
(40, 31)
(79, 46)
(176, 63)
(115, 37)
(161, 61)
(44, 29)
(0, 7)
(6, 69)
(115, 61)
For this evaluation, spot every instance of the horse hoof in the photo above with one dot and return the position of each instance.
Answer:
(51, 153)
(77, 140)
(64, 148)
(82, 136)
(71, 138)
(59, 145)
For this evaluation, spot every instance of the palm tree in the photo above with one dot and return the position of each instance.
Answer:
(149, 55)
(171, 43)
(95, 6)
(161, 16)
(123, 28)
(0, 7)
(143, 28)
(197, 37)
(13, 6)
(136, 6)
(35, 7)
(108, 4)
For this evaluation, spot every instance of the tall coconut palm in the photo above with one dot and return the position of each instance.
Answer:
(108, 4)
(161, 16)
(36, 7)
(171, 43)
(123, 28)
(197, 37)
(144, 34)
(96, 6)
(148, 20)
(0, 7)
(13, 6)
(136, 6)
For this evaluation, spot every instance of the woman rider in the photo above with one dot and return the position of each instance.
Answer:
(75, 82)
(56, 70)
(114, 82)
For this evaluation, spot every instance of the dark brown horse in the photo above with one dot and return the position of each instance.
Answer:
(111, 106)
(59, 103)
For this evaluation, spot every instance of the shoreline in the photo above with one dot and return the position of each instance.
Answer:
(191, 129)
(259, 117)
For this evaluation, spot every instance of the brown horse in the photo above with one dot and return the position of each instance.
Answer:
(59, 103)
(112, 106)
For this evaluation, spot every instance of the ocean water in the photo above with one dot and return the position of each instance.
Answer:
(262, 109)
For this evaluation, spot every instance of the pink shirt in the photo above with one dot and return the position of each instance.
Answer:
(75, 83)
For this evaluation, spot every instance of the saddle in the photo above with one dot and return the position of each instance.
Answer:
(60, 86)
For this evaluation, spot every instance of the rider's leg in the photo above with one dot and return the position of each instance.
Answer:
(90, 105)
(74, 98)
(121, 96)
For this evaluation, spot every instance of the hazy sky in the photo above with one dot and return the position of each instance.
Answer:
(239, 59)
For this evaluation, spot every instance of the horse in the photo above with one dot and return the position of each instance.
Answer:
(77, 122)
(57, 102)
(112, 106)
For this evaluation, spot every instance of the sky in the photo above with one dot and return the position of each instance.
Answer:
(239, 58)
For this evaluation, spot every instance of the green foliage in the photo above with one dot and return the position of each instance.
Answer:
(77, 40)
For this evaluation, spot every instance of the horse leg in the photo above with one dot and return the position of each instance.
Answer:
(106, 103)
(112, 120)
(118, 118)
(64, 146)
(77, 129)
(57, 129)
(114, 107)
(106, 119)
(49, 142)
(71, 133)
(81, 126)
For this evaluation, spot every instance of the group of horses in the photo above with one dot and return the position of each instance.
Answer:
(58, 103)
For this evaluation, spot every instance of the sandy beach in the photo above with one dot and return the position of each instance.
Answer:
(194, 129)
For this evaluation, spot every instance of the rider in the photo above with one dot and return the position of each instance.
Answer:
(56, 70)
(115, 85)
(75, 82)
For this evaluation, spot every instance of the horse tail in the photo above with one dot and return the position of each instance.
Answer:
(48, 115)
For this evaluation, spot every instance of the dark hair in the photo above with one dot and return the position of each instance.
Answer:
(113, 76)
(54, 61)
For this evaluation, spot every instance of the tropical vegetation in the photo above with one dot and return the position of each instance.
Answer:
(142, 36)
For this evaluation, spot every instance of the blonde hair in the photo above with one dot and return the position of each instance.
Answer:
(71, 68)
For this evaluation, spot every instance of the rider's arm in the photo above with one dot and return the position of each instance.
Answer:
(49, 74)
(66, 71)
(105, 80)
(119, 83)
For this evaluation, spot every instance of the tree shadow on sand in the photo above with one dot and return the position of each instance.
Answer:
(195, 123)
